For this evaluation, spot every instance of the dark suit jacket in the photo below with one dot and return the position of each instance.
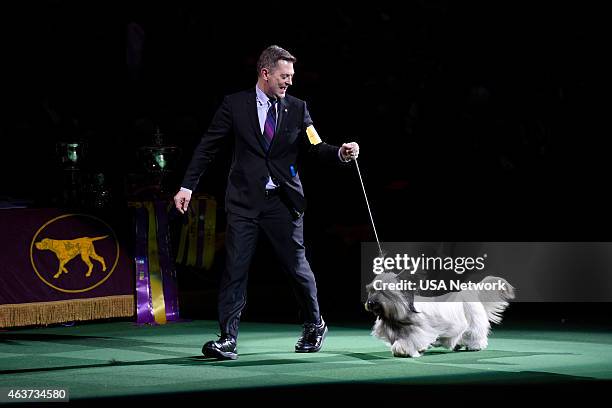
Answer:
(251, 163)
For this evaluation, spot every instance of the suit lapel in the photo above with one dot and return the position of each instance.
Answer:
(254, 119)
(282, 113)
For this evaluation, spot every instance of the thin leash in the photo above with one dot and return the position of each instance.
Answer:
(376, 233)
(380, 252)
(369, 211)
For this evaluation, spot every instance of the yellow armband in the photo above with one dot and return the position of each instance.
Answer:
(313, 136)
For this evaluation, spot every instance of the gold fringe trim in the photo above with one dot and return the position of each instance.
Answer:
(44, 313)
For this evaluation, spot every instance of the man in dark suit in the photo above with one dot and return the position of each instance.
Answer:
(264, 192)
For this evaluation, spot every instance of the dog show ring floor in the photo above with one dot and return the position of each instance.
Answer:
(119, 360)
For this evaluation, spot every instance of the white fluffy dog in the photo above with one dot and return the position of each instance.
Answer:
(411, 325)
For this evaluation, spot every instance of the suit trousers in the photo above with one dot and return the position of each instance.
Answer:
(286, 236)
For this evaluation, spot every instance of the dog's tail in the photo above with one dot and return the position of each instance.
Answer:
(99, 238)
(495, 296)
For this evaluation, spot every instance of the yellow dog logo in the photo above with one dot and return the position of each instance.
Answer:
(66, 250)
(92, 239)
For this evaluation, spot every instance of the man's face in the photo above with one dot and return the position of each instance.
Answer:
(279, 79)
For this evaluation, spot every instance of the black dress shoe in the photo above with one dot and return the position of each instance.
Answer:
(312, 337)
(222, 349)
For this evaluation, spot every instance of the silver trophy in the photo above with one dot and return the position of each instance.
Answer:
(159, 161)
(71, 154)
(159, 158)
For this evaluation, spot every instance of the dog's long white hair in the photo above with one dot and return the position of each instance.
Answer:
(412, 324)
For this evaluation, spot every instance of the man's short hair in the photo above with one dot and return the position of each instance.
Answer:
(271, 55)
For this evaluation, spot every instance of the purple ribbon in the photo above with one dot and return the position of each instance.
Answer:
(144, 306)
(166, 265)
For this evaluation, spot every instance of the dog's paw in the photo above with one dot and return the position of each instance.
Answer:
(399, 352)
(400, 349)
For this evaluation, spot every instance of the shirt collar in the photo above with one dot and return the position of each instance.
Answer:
(262, 98)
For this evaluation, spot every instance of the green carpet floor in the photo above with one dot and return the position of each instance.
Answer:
(124, 360)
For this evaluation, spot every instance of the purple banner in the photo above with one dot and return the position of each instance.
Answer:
(50, 255)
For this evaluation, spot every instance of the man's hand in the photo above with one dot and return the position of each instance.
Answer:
(181, 200)
(349, 151)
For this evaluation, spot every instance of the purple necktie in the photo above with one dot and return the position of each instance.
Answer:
(270, 125)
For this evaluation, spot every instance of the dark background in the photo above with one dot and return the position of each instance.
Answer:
(477, 122)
